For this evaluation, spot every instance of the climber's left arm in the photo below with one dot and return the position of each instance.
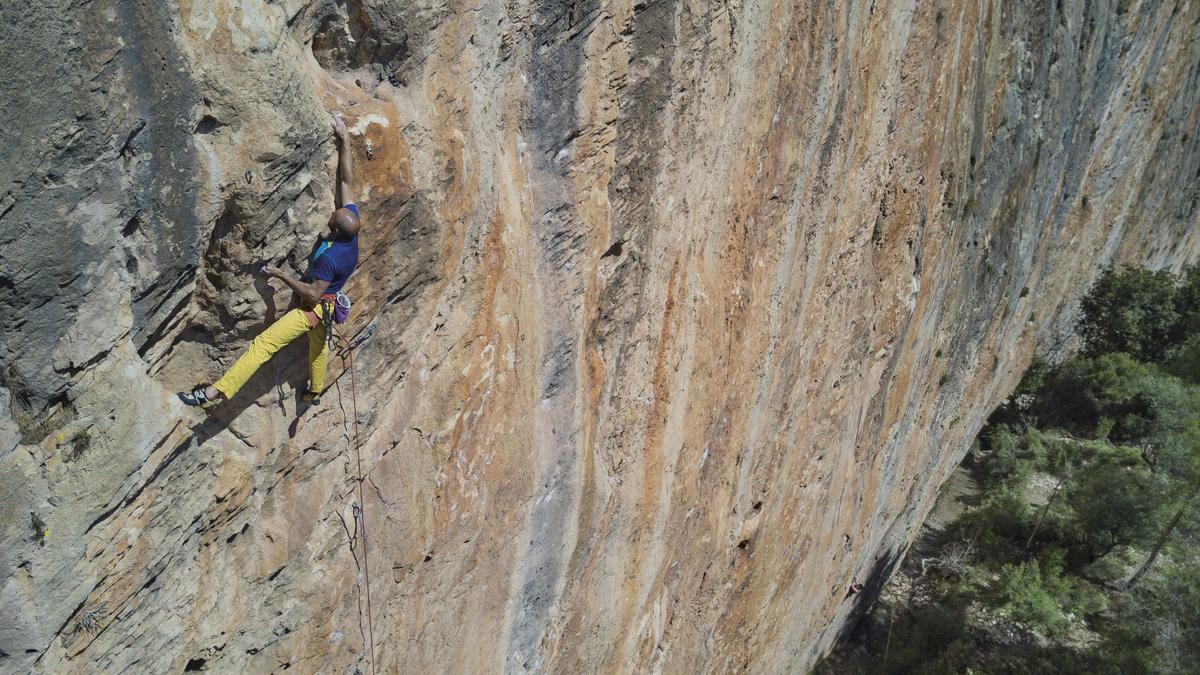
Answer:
(310, 293)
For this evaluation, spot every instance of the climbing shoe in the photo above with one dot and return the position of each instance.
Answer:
(197, 397)
(312, 397)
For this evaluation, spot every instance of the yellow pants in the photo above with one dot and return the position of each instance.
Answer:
(289, 327)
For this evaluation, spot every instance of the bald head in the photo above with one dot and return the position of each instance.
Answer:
(343, 223)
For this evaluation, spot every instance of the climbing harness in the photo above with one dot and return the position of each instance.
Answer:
(335, 308)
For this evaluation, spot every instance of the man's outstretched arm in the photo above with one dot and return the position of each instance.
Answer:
(345, 186)
(310, 293)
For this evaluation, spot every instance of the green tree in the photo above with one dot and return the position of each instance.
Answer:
(1131, 311)
(1187, 304)
(1117, 501)
(1078, 394)
(1174, 452)
(1113, 396)
(1154, 627)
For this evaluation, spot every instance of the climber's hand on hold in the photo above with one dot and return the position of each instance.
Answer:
(272, 271)
(339, 128)
(344, 192)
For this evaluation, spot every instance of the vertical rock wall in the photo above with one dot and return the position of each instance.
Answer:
(673, 313)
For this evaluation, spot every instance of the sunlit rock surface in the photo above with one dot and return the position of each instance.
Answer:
(674, 313)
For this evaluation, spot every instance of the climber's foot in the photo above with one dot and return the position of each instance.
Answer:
(312, 397)
(200, 396)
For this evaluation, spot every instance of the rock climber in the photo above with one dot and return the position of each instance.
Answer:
(333, 260)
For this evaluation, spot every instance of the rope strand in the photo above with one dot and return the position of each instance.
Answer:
(361, 498)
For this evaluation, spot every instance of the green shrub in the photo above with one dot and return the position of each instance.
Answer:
(1025, 596)
(1000, 524)
(1039, 594)
(1058, 455)
(1075, 596)
(1005, 447)
(1036, 450)
(1183, 361)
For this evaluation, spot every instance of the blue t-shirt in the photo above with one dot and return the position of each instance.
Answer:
(334, 260)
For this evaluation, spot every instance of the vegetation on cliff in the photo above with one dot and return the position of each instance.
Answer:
(1079, 553)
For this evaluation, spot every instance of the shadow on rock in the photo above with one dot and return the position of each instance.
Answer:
(288, 368)
(866, 596)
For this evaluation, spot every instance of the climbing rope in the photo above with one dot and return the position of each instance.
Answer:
(348, 355)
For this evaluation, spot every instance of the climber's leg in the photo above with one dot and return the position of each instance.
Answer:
(318, 358)
(289, 327)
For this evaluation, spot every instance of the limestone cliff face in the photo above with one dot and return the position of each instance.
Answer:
(673, 313)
